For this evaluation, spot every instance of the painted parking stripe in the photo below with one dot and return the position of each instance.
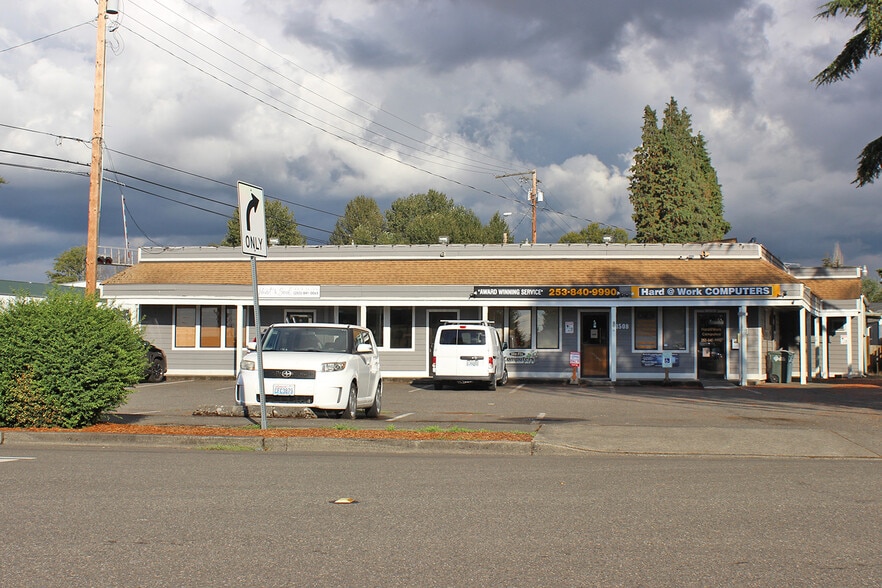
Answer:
(538, 418)
(5, 459)
(401, 416)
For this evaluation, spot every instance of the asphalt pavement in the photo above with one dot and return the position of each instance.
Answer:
(837, 419)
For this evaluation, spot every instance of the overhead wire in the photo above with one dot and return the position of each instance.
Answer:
(44, 37)
(504, 164)
(486, 167)
(318, 122)
(382, 152)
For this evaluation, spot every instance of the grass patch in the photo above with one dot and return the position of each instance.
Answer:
(225, 447)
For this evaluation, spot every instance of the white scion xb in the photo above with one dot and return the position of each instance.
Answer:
(315, 365)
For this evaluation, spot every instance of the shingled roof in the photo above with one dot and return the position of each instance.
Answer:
(445, 271)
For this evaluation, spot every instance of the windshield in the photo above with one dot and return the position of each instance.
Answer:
(328, 339)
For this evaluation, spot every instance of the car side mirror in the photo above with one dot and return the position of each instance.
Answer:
(364, 348)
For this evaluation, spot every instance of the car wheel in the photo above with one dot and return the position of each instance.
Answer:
(374, 410)
(491, 385)
(504, 380)
(154, 372)
(351, 406)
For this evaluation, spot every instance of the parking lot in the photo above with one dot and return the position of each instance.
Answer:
(840, 419)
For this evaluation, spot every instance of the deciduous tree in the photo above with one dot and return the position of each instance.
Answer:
(280, 224)
(70, 266)
(362, 223)
(594, 233)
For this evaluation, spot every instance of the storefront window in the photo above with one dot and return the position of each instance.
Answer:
(400, 327)
(347, 315)
(375, 323)
(647, 333)
(674, 328)
(230, 327)
(520, 328)
(210, 331)
(646, 329)
(185, 326)
(547, 328)
(496, 316)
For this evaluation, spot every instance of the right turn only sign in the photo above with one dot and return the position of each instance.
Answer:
(252, 219)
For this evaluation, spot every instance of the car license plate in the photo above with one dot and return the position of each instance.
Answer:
(283, 390)
(471, 362)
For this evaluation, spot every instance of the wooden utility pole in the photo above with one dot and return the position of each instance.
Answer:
(96, 170)
(534, 194)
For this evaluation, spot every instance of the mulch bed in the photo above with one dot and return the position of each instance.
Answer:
(309, 432)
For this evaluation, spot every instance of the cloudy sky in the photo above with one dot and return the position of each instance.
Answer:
(321, 101)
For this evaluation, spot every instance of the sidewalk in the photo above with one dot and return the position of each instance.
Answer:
(828, 420)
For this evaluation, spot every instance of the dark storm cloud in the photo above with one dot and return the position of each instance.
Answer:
(560, 40)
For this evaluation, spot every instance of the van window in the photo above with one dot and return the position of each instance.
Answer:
(471, 337)
(448, 337)
(463, 337)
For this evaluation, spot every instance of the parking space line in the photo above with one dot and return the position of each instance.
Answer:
(516, 389)
(401, 416)
(538, 418)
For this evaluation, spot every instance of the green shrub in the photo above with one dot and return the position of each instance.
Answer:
(65, 360)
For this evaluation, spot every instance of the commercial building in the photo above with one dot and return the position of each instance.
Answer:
(614, 311)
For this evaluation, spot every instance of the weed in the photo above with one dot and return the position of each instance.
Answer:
(223, 447)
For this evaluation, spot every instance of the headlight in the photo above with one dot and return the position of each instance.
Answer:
(334, 366)
(248, 365)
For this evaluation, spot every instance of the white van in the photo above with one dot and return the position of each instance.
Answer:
(468, 351)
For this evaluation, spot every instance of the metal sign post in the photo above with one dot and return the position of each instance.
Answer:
(252, 229)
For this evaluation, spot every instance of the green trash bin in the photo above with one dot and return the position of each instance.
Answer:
(779, 368)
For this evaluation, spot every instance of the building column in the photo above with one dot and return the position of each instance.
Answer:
(613, 343)
(803, 355)
(742, 345)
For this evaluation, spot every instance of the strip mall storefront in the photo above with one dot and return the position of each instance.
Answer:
(611, 311)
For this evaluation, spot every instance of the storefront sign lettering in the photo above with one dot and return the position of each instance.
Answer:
(705, 291)
(284, 291)
(517, 356)
(586, 291)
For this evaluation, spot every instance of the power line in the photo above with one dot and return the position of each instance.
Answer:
(92, 20)
(318, 122)
(487, 167)
(505, 165)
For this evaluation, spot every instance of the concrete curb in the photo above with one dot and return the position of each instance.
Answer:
(274, 444)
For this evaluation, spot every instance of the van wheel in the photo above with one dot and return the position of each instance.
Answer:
(504, 380)
(491, 385)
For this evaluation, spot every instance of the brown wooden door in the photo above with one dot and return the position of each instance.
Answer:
(594, 337)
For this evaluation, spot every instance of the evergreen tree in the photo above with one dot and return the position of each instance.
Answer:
(496, 230)
(673, 186)
(867, 42)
